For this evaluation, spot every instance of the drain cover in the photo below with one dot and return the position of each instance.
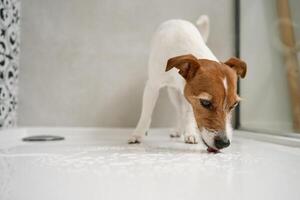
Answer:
(42, 138)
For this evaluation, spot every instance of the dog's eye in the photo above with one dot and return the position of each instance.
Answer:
(234, 105)
(206, 103)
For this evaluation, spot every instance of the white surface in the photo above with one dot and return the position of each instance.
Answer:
(100, 165)
(84, 63)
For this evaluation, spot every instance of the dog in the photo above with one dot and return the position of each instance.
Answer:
(204, 93)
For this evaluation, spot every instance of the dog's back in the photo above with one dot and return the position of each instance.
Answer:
(173, 38)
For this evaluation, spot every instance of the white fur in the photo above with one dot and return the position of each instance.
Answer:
(173, 38)
(228, 128)
(203, 25)
(225, 84)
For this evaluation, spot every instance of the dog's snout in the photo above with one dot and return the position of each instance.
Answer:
(221, 142)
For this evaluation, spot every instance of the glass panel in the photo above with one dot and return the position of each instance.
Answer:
(271, 91)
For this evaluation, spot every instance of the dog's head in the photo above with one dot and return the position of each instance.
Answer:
(211, 89)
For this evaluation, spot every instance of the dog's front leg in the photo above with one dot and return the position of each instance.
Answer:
(151, 93)
(190, 126)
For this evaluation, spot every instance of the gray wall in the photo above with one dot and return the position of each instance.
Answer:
(83, 63)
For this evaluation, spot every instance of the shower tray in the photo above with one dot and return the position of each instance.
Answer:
(97, 163)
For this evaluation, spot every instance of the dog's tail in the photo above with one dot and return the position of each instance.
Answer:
(203, 25)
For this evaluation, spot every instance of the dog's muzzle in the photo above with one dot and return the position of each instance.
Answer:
(221, 142)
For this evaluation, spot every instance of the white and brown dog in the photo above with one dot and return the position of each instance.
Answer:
(205, 93)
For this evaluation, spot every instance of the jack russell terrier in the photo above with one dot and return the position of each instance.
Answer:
(203, 96)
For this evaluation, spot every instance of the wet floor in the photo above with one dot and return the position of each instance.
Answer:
(99, 164)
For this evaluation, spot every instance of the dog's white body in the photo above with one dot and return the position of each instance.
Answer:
(173, 38)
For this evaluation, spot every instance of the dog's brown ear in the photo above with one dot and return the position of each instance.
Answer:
(187, 65)
(238, 65)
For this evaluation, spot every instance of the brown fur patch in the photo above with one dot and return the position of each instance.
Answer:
(207, 76)
(238, 65)
(209, 79)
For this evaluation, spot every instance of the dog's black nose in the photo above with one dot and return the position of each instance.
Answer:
(221, 142)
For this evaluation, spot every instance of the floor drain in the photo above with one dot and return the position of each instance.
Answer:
(42, 138)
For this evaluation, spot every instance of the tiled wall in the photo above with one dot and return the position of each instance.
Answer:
(9, 60)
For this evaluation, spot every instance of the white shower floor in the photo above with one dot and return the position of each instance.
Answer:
(98, 164)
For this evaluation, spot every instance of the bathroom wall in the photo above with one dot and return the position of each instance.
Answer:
(83, 63)
(9, 60)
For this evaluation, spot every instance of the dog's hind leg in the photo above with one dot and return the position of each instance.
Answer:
(176, 100)
(151, 93)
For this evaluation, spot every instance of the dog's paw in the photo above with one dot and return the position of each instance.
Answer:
(190, 139)
(175, 134)
(134, 139)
